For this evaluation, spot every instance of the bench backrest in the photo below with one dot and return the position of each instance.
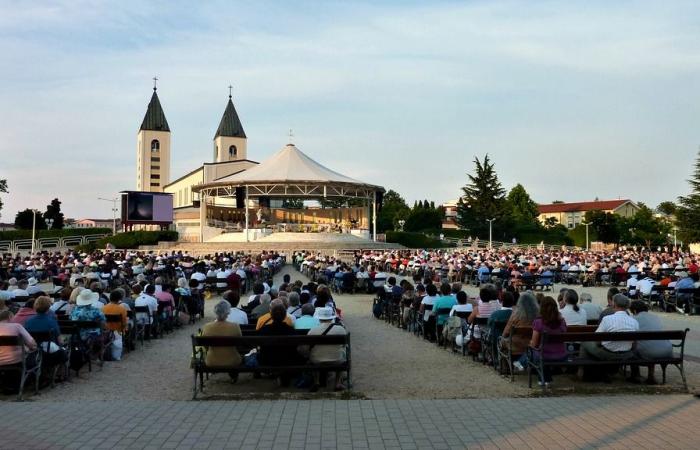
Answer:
(462, 314)
(11, 341)
(669, 335)
(443, 311)
(277, 341)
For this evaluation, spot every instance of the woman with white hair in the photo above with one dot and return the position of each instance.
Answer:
(222, 356)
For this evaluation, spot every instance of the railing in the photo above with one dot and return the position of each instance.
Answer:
(499, 245)
(50, 243)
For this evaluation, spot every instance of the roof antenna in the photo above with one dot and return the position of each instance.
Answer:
(155, 84)
(230, 90)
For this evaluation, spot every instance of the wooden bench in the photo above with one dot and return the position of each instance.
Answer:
(575, 360)
(506, 355)
(292, 342)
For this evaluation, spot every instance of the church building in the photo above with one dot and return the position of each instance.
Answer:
(230, 153)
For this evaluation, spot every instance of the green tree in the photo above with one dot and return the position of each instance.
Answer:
(644, 228)
(394, 208)
(24, 219)
(668, 208)
(53, 211)
(522, 208)
(482, 198)
(605, 225)
(688, 211)
(424, 219)
(3, 190)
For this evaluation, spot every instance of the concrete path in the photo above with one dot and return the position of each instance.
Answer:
(639, 422)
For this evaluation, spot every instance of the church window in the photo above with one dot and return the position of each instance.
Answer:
(155, 145)
(232, 151)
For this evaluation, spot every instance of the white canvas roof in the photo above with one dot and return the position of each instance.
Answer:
(289, 165)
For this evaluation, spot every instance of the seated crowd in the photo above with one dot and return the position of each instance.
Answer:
(664, 276)
(483, 326)
(94, 306)
(292, 309)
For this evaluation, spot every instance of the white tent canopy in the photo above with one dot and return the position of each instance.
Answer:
(289, 165)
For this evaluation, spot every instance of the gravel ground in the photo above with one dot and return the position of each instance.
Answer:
(388, 363)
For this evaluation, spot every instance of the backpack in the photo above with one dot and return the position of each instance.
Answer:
(452, 328)
(377, 310)
(78, 353)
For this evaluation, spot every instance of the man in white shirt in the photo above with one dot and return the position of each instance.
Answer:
(200, 277)
(147, 299)
(236, 315)
(620, 320)
(586, 303)
(644, 286)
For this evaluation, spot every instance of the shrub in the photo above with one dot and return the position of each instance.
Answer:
(13, 235)
(413, 240)
(134, 239)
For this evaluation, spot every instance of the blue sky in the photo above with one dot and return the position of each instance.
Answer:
(574, 100)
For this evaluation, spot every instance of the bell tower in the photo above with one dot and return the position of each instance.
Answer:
(153, 148)
(230, 141)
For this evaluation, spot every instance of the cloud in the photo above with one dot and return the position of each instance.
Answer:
(573, 100)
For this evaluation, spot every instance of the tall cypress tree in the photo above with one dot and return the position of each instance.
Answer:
(688, 213)
(482, 198)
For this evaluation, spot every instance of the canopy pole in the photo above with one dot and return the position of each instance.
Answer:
(374, 217)
(202, 215)
(246, 214)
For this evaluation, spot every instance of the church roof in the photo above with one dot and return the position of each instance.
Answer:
(230, 124)
(155, 117)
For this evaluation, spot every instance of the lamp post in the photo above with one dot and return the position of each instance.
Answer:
(34, 211)
(401, 224)
(49, 223)
(490, 221)
(114, 212)
(587, 225)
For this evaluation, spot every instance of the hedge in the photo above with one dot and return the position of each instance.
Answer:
(413, 240)
(13, 235)
(134, 239)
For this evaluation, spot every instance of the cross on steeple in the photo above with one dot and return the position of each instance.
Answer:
(155, 83)
(230, 90)
(291, 136)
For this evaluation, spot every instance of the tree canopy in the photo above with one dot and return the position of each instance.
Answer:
(53, 211)
(483, 198)
(688, 211)
(3, 190)
(24, 220)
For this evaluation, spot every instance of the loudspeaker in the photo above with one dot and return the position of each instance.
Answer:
(240, 198)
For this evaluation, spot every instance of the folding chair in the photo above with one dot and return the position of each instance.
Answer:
(28, 366)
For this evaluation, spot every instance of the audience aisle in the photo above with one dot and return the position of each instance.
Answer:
(640, 422)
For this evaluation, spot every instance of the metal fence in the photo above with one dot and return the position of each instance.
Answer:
(52, 243)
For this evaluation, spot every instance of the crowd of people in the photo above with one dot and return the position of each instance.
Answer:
(110, 297)
(424, 290)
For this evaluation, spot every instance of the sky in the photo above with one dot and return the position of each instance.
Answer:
(574, 100)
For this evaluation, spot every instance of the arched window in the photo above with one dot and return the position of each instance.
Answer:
(155, 145)
(232, 151)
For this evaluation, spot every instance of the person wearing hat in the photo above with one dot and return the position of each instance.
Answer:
(33, 286)
(329, 354)
(85, 311)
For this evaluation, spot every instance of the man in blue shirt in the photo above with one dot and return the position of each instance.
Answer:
(483, 273)
(684, 300)
(446, 301)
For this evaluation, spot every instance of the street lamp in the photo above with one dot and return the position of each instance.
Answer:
(490, 221)
(587, 225)
(114, 212)
(675, 244)
(401, 224)
(49, 223)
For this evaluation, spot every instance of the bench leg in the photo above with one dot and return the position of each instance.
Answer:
(194, 386)
(681, 368)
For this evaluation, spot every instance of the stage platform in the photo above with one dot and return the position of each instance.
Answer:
(329, 243)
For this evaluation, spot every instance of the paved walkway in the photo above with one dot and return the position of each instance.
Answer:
(571, 422)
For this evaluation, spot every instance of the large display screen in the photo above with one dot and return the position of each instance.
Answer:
(147, 207)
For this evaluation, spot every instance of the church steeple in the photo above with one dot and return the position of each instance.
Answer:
(153, 148)
(230, 141)
(155, 117)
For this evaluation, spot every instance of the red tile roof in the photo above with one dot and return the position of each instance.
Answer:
(603, 205)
